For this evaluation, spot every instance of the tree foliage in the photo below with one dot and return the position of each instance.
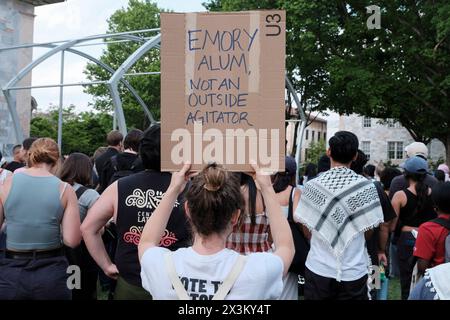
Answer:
(83, 132)
(400, 71)
(315, 150)
(138, 15)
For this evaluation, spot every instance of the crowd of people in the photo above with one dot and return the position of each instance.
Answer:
(141, 234)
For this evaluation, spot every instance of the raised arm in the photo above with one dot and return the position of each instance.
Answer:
(295, 201)
(281, 232)
(397, 203)
(97, 217)
(157, 223)
(70, 223)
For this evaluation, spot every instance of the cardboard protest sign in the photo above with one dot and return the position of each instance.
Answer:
(222, 89)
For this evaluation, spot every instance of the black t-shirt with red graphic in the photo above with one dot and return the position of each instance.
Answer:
(138, 196)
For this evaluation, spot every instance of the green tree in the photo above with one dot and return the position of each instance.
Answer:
(82, 132)
(139, 14)
(400, 71)
(43, 127)
(315, 150)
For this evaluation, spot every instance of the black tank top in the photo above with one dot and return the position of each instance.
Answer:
(139, 195)
(410, 216)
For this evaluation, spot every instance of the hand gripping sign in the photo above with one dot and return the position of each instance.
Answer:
(222, 89)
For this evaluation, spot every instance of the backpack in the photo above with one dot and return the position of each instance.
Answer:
(301, 244)
(80, 191)
(121, 173)
(74, 255)
(446, 224)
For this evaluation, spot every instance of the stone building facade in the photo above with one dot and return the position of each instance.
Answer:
(314, 132)
(16, 27)
(381, 140)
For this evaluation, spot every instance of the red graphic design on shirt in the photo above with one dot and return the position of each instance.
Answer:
(134, 236)
(167, 239)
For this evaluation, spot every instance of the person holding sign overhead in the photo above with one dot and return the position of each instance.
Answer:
(207, 270)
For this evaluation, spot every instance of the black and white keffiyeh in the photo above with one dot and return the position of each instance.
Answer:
(438, 281)
(338, 205)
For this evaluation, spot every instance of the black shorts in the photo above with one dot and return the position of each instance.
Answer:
(322, 288)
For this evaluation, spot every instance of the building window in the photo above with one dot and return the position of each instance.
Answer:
(395, 150)
(318, 135)
(325, 136)
(307, 134)
(391, 123)
(312, 135)
(365, 147)
(367, 122)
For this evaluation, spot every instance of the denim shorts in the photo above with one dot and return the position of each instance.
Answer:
(34, 279)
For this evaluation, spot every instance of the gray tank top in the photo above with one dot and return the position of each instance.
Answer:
(33, 213)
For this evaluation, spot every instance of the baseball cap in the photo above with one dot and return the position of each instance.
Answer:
(442, 167)
(416, 149)
(415, 165)
(290, 166)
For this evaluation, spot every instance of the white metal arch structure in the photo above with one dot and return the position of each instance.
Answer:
(113, 82)
(67, 45)
(301, 127)
(111, 70)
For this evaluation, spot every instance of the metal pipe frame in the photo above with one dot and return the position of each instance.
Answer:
(93, 37)
(61, 101)
(104, 66)
(301, 127)
(67, 46)
(113, 82)
(142, 73)
(57, 85)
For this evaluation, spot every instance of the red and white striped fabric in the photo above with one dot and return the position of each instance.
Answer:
(249, 238)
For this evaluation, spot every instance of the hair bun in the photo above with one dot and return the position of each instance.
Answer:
(211, 188)
(214, 177)
(43, 150)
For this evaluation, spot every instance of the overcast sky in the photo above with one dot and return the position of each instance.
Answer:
(76, 19)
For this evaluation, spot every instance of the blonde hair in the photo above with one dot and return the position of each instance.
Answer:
(43, 150)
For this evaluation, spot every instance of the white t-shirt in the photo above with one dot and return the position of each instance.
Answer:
(353, 263)
(201, 275)
(290, 287)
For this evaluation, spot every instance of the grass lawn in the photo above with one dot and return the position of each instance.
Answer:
(394, 292)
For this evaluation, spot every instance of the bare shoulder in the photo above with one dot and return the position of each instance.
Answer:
(67, 194)
(111, 191)
(399, 197)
